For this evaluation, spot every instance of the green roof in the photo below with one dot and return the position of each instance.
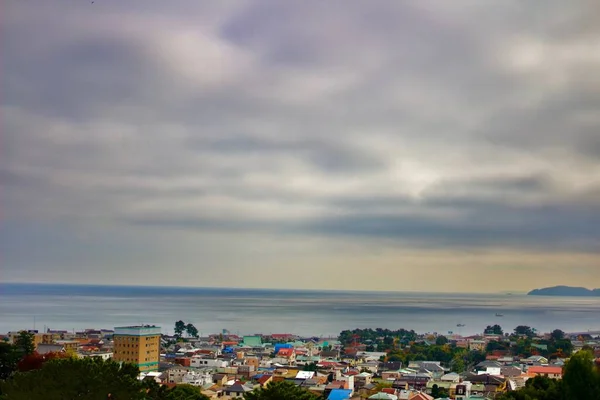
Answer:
(252, 341)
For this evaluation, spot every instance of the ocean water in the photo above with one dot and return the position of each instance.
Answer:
(317, 313)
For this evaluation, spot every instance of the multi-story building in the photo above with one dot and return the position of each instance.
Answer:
(139, 345)
(37, 337)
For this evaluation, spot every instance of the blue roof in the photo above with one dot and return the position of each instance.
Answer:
(283, 346)
(339, 394)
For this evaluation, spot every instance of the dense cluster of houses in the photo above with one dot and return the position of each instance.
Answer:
(227, 366)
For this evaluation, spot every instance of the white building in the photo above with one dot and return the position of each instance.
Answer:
(199, 362)
(104, 355)
(197, 378)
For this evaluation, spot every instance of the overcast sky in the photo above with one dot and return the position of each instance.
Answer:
(388, 145)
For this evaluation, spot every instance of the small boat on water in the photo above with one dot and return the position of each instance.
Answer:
(460, 325)
(499, 315)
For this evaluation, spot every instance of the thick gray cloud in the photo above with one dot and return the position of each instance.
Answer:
(467, 126)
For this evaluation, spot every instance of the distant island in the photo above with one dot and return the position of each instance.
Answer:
(564, 291)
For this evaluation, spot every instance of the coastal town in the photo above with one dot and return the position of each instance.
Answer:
(358, 364)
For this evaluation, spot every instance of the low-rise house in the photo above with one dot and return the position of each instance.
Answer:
(104, 355)
(176, 374)
(246, 371)
(383, 396)
(553, 372)
(237, 389)
(303, 375)
(199, 362)
(420, 396)
(450, 377)
(506, 360)
(477, 345)
(158, 377)
(432, 367)
(460, 391)
(486, 365)
(335, 385)
(44, 348)
(197, 378)
(511, 371)
(339, 394)
(305, 359)
(487, 385)
(390, 375)
(285, 356)
(371, 366)
(390, 365)
(362, 379)
(252, 341)
(70, 346)
(416, 381)
(264, 380)
(535, 360)
(332, 354)
(252, 360)
(559, 362)
(219, 379)
(282, 337)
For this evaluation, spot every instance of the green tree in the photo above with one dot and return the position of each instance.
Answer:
(191, 330)
(72, 378)
(379, 386)
(493, 330)
(494, 345)
(441, 340)
(557, 334)
(538, 388)
(310, 367)
(524, 330)
(179, 328)
(580, 379)
(184, 392)
(437, 391)
(457, 364)
(9, 357)
(475, 357)
(280, 390)
(24, 343)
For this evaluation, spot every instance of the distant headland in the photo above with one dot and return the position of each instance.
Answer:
(564, 291)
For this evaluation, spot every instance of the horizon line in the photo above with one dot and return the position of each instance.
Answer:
(37, 283)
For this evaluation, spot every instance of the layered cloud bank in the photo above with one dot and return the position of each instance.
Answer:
(227, 143)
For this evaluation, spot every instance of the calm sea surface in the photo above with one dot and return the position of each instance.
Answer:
(247, 311)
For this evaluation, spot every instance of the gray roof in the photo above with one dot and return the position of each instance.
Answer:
(44, 348)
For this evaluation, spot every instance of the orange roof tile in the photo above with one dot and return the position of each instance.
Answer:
(543, 369)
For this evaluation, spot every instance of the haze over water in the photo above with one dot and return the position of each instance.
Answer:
(248, 311)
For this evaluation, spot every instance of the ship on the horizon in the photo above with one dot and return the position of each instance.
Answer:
(499, 315)
(460, 325)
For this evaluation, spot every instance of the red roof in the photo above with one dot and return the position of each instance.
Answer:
(543, 369)
(329, 364)
(422, 396)
(264, 379)
(285, 352)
